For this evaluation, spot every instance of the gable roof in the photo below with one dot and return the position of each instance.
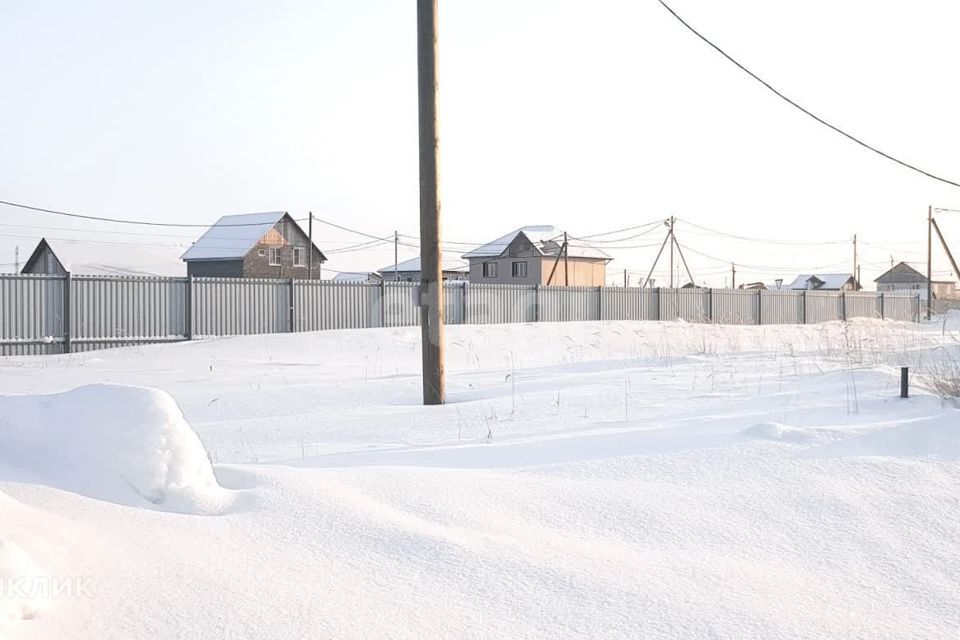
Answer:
(413, 265)
(902, 273)
(232, 237)
(355, 276)
(111, 259)
(546, 239)
(827, 281)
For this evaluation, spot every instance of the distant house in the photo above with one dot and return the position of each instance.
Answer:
(409, 270)
(357, 277)
(753, 286)
(903, 277)
(825, 282)
(254, 245)
(59, 257)
(530, 254)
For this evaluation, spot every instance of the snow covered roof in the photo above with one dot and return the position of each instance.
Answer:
(354, 276)
(232, 237)
(824, 281)
(413, 265)
(902, 273)
(545, 239)
(117, 259)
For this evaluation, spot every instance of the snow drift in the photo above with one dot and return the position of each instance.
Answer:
(19, 599)
(123, 444)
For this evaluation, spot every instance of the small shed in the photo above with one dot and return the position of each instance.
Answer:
(95, 258)
(357, 277)
(454, 270)
(825, 282)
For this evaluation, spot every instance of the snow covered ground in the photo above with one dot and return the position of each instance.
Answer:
(602, 480)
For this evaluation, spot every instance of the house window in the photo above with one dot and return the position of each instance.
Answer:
(275, 256)
(262, 253)
(520, 269)
(489, 269)
(299, 257)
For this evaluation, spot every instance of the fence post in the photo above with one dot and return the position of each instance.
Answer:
(536, 302)
(293, 306)
(710, 305)
(599, 303)
(67, 314)
(188, 309)
(883, 310)
(759, 307)
(383, 303)
(843, 304)
(918, 308)
(803, 307)
(659, 306)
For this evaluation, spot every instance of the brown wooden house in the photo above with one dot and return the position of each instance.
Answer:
(254, 245)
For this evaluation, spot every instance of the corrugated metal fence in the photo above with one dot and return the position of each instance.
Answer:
(48, 314)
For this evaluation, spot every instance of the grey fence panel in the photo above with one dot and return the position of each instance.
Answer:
(650, 304)
(904, 308)
(500, 304)
(233, 306)
(781, 307)
(823, 307)
(454, 303)
(31, 315)
(621, 303)
(336, 305)
(126, 311)
(690, 305)
(862, 305)
(402, 304)
(734, 306)
(119, 311)
(569, 304)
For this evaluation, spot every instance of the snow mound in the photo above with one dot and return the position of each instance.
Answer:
(777, 432)
(123, 444)
(937, 438)
(20, 597)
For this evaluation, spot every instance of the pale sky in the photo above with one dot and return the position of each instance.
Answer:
(590, 116)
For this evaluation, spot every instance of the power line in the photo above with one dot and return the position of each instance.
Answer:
(610, 233)
(754, 267)
(125, 221)
(804, 110)
(147, 234)
(762, 240)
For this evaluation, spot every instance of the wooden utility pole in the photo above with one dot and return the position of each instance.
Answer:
(671, 251)
(566, 263)
(856, 268)
(562, 252)
(929, 262)
(946, 248)
(733, 274)
(626, 280)
(656, 261)
(310, 250)
(396, 254)
(431, 274)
